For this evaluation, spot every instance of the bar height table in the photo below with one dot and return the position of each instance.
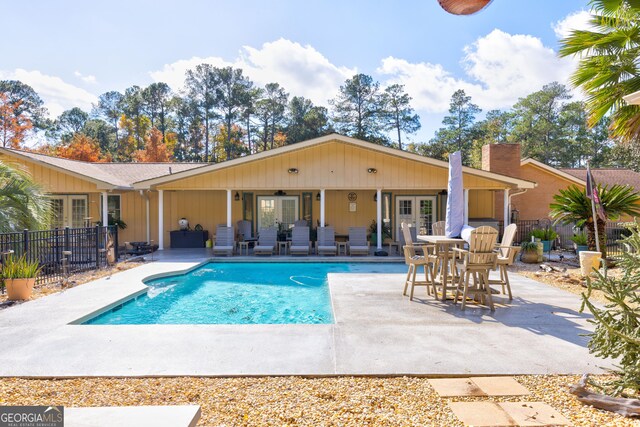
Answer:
(443, 246)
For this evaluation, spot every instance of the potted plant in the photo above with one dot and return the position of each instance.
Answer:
(546, 236)
(580, 242)
(19, 276)
(373, 230)
(529, 253)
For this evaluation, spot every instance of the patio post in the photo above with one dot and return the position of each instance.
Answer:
(228, 208)
(105, 210)
(379, 218)
(321, 208)
(148, 217)
(506, 218)
(466, 206)
(160, 220)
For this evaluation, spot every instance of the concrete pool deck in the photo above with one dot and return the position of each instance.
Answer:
(377, 332)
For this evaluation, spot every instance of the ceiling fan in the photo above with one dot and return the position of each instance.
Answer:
(463, 7)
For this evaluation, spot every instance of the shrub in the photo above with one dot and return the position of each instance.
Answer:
(543, 234)
(579, 239)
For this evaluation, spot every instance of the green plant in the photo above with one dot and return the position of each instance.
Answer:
(23, 203)
(19, 268)
(617, 324)
(543, 234)
(115, 221)
(579, 239)
(529, 247)
(386, 228)
(572, 206)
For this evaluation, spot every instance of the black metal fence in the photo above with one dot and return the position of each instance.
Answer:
(614, 231)
(70, 249)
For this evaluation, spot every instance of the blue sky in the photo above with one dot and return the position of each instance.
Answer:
(71, 51)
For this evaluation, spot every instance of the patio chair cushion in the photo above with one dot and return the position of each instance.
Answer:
(263, 249)
(359, 249)
(327, 249)
(299, 249)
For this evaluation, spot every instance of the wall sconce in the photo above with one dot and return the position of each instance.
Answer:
(372, 170)
(237, 196)
(375, 196)
(293, 170)
(318, 196)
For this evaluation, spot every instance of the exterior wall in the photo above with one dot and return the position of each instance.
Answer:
(504, 159)
(482, 204)
(333, 166)
(534, 204)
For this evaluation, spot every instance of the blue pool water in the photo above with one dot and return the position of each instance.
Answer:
(239, 293)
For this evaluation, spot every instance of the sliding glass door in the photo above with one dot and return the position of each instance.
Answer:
(273, 210)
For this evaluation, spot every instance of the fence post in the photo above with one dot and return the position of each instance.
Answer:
(115, 242)
(97, 246)
(25, 241)
(66, 239)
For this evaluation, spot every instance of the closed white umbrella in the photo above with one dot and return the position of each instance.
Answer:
(455, 199)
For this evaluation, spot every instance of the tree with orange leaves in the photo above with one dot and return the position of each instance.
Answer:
(82, 147)
(13, 127)
(155, 150)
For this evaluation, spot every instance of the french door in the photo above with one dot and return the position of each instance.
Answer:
(273, 210)
(69, 211)
(417, 211)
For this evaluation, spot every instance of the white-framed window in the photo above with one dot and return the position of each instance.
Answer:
(113, 207)
(69, 210)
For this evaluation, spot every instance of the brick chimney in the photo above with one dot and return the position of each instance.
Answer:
(502, 158)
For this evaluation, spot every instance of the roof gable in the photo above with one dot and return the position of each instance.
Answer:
(552, 170)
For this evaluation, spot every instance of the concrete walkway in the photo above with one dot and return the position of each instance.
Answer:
(377, 332)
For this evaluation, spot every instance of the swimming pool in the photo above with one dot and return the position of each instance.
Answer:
(238, 293)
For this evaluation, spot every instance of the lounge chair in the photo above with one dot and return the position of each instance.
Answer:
(326, 244)
(224, 244)
(300, 243)
(358, 244)
(266, 241)
(245, 232)
(301, 223)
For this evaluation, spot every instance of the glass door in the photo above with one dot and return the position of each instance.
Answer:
(69, 211)
(417, 211)
(274, 210)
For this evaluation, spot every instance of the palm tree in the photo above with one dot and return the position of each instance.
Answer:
(608, 67)
(23, 204)
(572, 206)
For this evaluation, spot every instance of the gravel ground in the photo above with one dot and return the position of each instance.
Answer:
(288, 401)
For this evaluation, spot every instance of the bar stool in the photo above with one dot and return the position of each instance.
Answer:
(414, 261)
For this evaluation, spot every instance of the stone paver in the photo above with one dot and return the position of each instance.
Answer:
(127, 416)
(500, 386)
(481, 414)
(534, 414)
(451, 387)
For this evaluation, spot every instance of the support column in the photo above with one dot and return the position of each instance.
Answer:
(507, 218)
(228, 208)
(321, 208)
(466, 207)
(160, 220)
(379, 217)
(146, 199)
(105, 209)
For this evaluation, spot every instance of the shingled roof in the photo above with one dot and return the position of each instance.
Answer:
(121, 175)
(608, 176)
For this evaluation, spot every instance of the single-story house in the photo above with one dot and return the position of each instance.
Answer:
(331, 180)
(533, 203)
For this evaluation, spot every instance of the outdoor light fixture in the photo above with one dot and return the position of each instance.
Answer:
(318, 196)
(279, 193)
(372, 170)
(237, 196)
(375, 196)
(293, 170)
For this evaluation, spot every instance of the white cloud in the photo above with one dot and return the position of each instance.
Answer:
(55, 92)
(87, 79)
(499, 69)
(301, 70)
(574, 21)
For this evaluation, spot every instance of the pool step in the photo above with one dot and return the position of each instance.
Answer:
(130, 416)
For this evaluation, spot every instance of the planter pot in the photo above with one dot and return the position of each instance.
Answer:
(529, 257)
(374, 239)
(588, 261)
(546, 245)
(581, 248)
(19, 289)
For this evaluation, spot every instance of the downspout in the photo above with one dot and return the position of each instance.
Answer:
(518, 193)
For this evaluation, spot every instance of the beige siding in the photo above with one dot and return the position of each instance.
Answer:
(481, 203)
(333, 165)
